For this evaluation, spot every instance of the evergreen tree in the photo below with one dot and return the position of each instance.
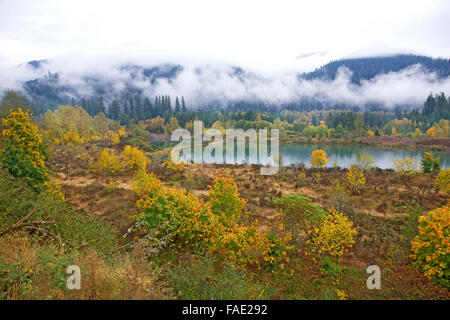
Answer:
(131, 106)
(183, 105)
(177, 105)
(138, 116)
(147, 108)
(114, 110)
(12, 100)
(101, 106)
(169, 105)
(429, 106)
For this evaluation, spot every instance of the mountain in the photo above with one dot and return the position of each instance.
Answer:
(375, 82)
(369, 68)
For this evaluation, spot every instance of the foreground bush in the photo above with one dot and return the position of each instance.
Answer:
(431, 247)
(24, 151)
(34, 257)
(299, 213)
(204, 278)
(443, 181)
(225, 201)
(205, 225)
(333, 236)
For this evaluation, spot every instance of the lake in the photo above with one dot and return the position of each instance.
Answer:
(346, 155)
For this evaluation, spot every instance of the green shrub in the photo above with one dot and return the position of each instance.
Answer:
(299, 213)
(17, 198)
(430, 163)
(204, 278)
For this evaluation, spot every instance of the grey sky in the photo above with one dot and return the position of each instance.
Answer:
(266, 35)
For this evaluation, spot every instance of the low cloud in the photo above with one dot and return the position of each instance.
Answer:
(210, 82)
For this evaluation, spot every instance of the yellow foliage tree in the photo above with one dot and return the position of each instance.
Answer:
(334, 235)
(109, 163)
(443, 181)
(24, 152)
(355, 178)
(134, 158)
(431, 132)
(225, 201)
(319, 158)
(431, 247)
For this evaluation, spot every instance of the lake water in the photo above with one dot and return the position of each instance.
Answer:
(346, 155)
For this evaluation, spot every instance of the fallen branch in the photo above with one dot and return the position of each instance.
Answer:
(18, 222)
(17, 226)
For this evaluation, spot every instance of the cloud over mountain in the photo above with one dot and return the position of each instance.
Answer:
(206, 83)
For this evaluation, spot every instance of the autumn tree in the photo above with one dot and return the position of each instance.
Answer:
(225, 201)
(431, 247)
(333, 236)
(319, 158)
(443, 181)
(355, 178)
(430, 163)
(24, 152)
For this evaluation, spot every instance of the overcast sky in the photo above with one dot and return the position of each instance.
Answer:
(270, 35)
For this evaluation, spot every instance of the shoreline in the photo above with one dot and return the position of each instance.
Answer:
(442, 144)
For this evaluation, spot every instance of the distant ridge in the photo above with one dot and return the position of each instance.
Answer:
(370, 67)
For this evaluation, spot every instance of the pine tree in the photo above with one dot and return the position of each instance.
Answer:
(131, 106)
(177, 105)
(169, 105)
(101, 106)
(138, 115)
(147, 108)
(429, 106)
(114, 110)
(183, 105)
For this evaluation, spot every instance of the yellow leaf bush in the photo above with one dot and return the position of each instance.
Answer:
(407, 166)
(319, 158)
(431, 247)
(172, 166)
(443, 181)
(334, 235)
(108, 163)
(194, 222)
(132, 158)
(355, 178)
(225, 201)
(24, 152)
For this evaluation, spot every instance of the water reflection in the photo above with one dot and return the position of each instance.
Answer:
(343, 155)
(346, 155)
